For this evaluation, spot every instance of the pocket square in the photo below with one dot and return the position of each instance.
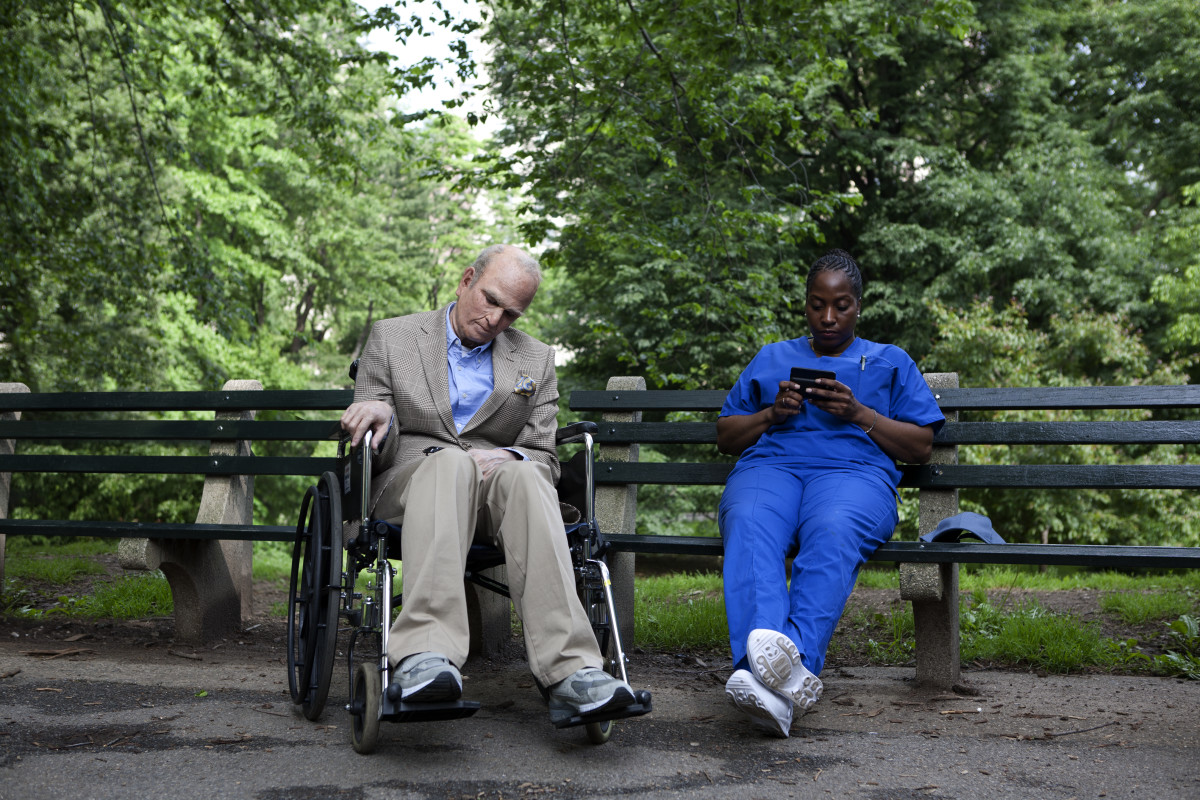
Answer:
(525, 386)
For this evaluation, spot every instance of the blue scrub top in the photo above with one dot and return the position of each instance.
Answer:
(882, 377)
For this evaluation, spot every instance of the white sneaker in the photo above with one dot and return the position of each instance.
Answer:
(766, 708)
(776, 661)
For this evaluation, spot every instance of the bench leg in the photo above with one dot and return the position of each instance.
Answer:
(933, 590)
(620, 568)
(489, 616)
(7, 447)
(211, 581)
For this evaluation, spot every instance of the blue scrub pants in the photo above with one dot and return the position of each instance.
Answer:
(829, 521)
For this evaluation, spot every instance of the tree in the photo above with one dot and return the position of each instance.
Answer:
(202, 191)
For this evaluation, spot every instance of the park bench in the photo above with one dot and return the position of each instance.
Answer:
(208, 562)
(928, 571)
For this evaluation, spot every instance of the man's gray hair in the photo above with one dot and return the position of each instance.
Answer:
(526, 262)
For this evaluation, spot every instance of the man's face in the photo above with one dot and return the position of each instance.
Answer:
(486, 308)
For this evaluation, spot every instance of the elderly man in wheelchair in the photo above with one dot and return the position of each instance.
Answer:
(452, 443)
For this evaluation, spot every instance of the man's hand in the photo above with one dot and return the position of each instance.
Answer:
(369, 415)
(488, 460)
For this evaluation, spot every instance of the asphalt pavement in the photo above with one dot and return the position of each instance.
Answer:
(86, 718)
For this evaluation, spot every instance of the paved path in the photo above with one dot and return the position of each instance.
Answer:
(152, 723)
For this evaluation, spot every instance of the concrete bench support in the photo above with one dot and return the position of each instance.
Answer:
(616, 511)
(7, 447)
(933, 588)
(489, 615)
(211, 581)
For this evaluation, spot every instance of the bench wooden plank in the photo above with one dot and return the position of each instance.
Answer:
(147, 530)
(172, 430)
(169, 465)
(1132, 432)
(278, 399)
(1065, 398)
(938, 476)
(1079, 555)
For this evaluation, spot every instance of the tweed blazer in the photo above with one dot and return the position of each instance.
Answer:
(404, 364)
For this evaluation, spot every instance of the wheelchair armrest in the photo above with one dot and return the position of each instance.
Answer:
(574, 432)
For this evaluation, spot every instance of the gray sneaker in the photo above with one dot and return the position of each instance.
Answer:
(587, 691)
(428, 678)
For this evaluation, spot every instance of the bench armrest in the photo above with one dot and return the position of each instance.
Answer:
(574, 432)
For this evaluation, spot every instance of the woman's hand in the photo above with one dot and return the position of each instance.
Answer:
(902, 441)
(787, 402)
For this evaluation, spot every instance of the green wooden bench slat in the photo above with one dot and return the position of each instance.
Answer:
(1052, 476)
(651, 400)
(1081, 555)
(1069, 398)
(148, 530)
(644, 472)
(170, 465)
(657, 432)
(158, 430)
(1006, 398)
(275, 399)
(1135, 432)
(939, 476)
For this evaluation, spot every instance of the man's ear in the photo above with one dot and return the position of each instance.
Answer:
(467, 277)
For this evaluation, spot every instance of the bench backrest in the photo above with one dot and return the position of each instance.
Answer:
(41, 422)
(1157, 399)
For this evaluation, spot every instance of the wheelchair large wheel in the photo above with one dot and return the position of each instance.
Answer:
(312, 610)
(366, 695)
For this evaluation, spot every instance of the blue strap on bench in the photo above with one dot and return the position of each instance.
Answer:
(968, 524)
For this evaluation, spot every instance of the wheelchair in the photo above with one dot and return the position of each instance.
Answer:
(337, 542)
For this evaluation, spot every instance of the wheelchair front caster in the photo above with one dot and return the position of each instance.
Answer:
(599, 732)
(366, 695)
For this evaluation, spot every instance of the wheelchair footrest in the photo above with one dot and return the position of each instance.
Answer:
(640, 706)
(400, 711)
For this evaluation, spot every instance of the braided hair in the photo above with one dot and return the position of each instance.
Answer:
(837, 261)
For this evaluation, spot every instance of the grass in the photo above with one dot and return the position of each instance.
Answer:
(1138, 608)
(680, 611)
(35, 570)
(685, 611)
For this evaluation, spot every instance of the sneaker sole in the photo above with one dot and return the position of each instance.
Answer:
(773, 655)
(808, 694)
(745, 700)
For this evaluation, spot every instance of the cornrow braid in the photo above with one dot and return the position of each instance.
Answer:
(839, 261)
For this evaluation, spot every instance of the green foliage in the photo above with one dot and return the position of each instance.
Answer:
(1000, 347)
(205, 191)
(1184, 657)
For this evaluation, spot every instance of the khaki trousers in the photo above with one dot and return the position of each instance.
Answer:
(444, 505)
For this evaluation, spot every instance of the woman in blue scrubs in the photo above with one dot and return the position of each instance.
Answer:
(815, 482)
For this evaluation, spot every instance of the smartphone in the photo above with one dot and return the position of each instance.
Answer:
(807, 378)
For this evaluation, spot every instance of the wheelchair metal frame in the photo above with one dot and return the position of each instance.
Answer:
(318, 579)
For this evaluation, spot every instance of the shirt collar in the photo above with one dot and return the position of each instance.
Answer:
(454, 345)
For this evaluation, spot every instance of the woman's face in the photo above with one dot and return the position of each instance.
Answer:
(832, 311)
